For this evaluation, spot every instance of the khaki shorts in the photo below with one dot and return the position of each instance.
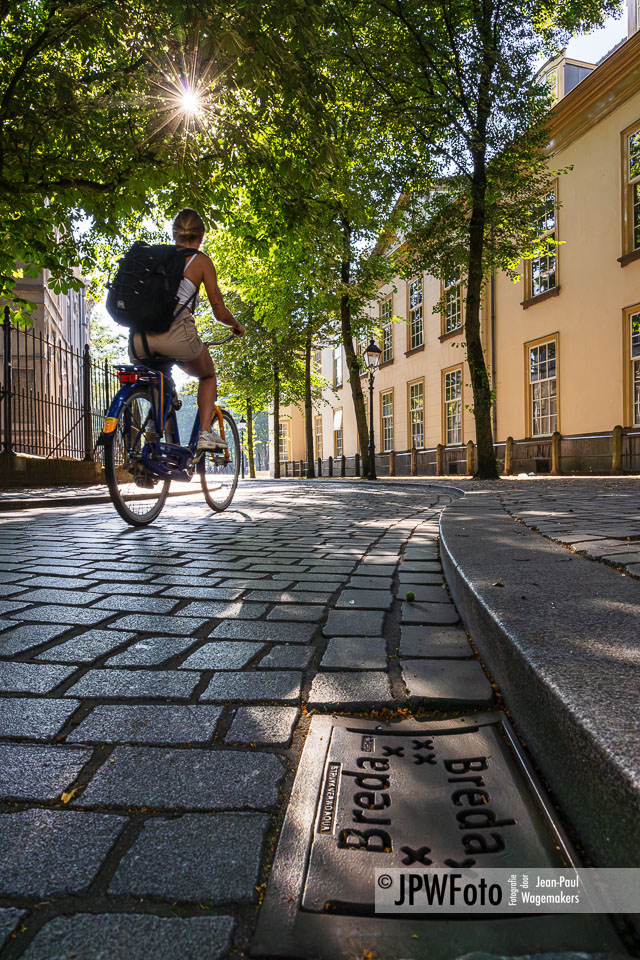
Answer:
(181, 342)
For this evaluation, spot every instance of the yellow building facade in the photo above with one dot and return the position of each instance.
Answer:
(562, 344)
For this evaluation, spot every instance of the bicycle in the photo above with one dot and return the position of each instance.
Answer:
(140, 465)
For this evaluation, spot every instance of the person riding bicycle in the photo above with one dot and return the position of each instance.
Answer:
(181, 342)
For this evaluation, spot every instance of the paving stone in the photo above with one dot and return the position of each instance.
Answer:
(365, 569)
(283, 686)
(258, 584)
(118, 575)
(12, 606)
(143, 723)
(136, 604)
(62, 614)
(292, 597)
(416, 612)
(236, 611)
(449, 681)
(38, 772)
(110, 936)
(358, 623)
(203, 593)
(31, 677)
(426, 594)
(222, 655)
(24, 638)
(366, 689)
(150, 651)
(191, 582)
(9, 918)
(69, 583)
(88, 646)
(355, 653)
(72, 597)
(292, 612)
(369, 583)
(414, 566)
(107, 683)
(288, 657)
(424, 641)
(178, 625)
(53, 851)
(196, 857)
(37, 718)
(408, 580)
(272, 725)
(202, 779)
(265, 631)
(365, 599)
(9, 589)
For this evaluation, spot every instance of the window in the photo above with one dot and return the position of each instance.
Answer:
(337, 433)
(452, 303)
(386, 405)
(283, 440)
(543, 266)
(416, 414)
(416, 329)
(386, 330)
(317, 362)
(318, 437)
(453, 407)
(337, 366)
(543, 391)
(552, 80)
(635, 366)
(633, 188)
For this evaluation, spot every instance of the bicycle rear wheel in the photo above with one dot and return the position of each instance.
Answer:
(137, 494)
(219, 474)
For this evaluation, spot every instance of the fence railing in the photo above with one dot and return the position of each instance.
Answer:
(53, 397)
(617, 451)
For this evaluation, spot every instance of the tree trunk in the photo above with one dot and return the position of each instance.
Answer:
(308, 407)
(252, 463)
(350, 354)
(276, 420)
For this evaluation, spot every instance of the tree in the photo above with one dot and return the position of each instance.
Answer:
(461, 78)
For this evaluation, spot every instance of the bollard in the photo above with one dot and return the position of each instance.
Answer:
(556, 439)
(439, 460)
(392, 463)
(330, 466)
(356, 465)
(343, 466)
(414, 462)
(470, 457)
(301, 469)
(616, 450)
(508, 455)
(319, 466)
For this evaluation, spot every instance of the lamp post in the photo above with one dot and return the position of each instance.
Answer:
(372, 359)
(242, 425)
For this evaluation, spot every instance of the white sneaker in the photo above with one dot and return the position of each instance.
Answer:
(210, 440)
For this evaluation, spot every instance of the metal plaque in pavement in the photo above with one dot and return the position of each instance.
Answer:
(455, 794)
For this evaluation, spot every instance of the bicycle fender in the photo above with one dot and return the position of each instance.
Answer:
(111, 420)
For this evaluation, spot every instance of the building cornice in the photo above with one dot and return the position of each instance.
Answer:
(611, 83)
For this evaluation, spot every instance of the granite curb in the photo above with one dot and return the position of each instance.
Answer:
(559, 634)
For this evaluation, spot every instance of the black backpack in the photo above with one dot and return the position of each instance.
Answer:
(143, 293)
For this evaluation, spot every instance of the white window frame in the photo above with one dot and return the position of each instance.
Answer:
(543, 387)
(317, 438)
(337, 366)
(453, 407)
(543, 268)
(386, 331)
(416, 414)
(386, 417)
(634, 353)
(416, 319)
(284, 440)
(633, 180)
(453, 303)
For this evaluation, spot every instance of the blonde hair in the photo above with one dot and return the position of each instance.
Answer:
(188, 227)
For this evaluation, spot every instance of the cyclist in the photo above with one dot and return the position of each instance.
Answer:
(181, 342)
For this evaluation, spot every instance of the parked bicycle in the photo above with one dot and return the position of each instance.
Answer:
(142, 449)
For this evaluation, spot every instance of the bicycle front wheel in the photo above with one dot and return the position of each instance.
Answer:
(219, 473)
(137, 494)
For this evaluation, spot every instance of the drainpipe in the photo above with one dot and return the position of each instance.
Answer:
(493, 352)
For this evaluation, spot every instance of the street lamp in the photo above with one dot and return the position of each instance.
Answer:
(242, 426)
(372, 359)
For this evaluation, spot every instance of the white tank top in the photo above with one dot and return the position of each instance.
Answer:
(187, 289)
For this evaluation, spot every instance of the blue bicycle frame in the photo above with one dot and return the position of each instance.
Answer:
(168, 460)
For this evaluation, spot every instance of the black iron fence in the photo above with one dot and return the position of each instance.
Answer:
(53, 397)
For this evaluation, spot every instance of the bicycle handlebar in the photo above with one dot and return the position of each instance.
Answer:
(218, 343)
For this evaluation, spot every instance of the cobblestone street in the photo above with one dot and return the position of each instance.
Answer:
(151, 678)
